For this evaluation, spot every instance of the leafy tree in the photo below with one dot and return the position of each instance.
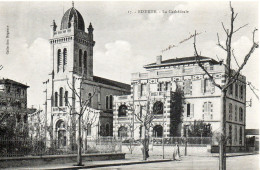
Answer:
(199, 129)
(176, 111)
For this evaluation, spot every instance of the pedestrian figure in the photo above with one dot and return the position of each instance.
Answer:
(176, 152)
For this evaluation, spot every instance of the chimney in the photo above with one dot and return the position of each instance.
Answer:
(159, 59)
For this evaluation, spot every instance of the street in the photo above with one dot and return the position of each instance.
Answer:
(249, 162)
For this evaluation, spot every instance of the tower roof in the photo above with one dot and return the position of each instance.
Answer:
(72, 14)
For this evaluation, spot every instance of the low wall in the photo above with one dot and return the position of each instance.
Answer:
(229, 149)
(56, 159)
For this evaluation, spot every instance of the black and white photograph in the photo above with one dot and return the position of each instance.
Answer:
(123, 85)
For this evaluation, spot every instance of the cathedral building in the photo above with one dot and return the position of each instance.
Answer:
(72, 82)
(202, 99)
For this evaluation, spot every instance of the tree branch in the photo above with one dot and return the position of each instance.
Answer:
(240, 28)
(201, 66)
(220, 45)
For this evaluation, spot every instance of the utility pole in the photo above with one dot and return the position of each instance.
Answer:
(45, 124)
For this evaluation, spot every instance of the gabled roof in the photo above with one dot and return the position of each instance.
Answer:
(252, 131)
(111, 83)
(8, 81)
(182, 60)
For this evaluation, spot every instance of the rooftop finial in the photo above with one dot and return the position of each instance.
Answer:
(72, 3)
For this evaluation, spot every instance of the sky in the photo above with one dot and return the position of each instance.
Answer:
(126, 39)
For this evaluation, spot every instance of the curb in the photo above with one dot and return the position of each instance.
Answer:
(238, 155)
(112, 164)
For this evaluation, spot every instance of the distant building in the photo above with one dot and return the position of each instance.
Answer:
(72, 53)
(13, 106)
(203, 99)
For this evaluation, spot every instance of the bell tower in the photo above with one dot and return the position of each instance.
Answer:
(71, 46)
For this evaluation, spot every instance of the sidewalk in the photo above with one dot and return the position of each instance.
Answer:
(94, 164)
(228, 154)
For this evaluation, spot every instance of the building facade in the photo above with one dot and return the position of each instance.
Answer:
(202, 99)
(13, 107)
(72, 53)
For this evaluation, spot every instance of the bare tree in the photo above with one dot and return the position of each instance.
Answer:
(83, 108)
(145, 118)
(231, 75)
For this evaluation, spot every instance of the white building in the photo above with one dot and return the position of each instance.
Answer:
(72, 54)
(203, 101)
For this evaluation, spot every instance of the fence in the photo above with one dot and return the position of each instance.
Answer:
(201, 141)
(195, 146)
(181, 141)
(28, 147)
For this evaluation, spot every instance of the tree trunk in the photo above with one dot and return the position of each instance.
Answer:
(222, 143)
(79, 156)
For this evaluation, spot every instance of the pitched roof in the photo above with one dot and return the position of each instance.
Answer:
(252, 131)
(182, 60)
(8, 81)
(111, 83)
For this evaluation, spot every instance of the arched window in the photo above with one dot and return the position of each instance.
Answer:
(85, 59)
(89, 129)
(122, 110)
(61, 96)
(66, 95)
(61, 133)
(241, 114)
(106, 102)
(80, 58)
(56, 99)
(58, 59)
(111, 102)
(64, 58)
(122, 132)
(158, 107)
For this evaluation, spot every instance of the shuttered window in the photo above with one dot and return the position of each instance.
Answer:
(187, 87)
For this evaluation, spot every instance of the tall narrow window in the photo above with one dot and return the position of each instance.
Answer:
(230, 134)
(231, 89)
(88, 129)
(141, 111)
(160, 87)
(90, 99)
(58, 60)
(241, 92)
(66, 98)
(106, 102)
(61, 96)
(64, 58)
(230, 111)
(187, 87)
(85, 59)
(235, 112)
(236, 90)
(111, 102)
(143, 89)
(188, 110)
(80, 58)
(240, 136)
(56, 99)
(241, 114)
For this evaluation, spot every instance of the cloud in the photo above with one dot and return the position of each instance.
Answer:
(28, 64)
(117, 62)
